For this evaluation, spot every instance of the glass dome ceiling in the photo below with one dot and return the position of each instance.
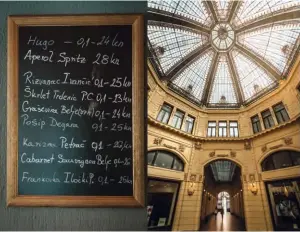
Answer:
(223, 54)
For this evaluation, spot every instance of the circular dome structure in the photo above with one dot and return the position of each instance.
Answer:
(222, 36)
(223, 54)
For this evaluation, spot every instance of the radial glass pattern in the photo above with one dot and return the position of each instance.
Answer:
(222, 8)
(222, 36)
(192, 10)
(193, 78)
(222, 87)
(252, 77)
(172, 44)
(250, 11)
(274, 43)
(223, 53)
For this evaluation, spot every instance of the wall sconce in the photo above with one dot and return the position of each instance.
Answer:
(191, 188)
(253, 187)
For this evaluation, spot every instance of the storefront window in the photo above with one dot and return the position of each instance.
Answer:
(162, 196)
(285, 204)
(164, 159)
(281, 159)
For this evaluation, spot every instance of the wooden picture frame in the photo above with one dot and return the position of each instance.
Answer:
(138, 123)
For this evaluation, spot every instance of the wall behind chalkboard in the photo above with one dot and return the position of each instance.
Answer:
(58, 218)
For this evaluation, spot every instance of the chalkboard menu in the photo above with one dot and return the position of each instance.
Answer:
(75, 111)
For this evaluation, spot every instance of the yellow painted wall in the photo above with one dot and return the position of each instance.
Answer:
(248, 151)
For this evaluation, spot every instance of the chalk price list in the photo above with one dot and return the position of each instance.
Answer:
(64, 102)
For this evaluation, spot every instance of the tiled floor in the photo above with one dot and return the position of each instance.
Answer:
(229, 223)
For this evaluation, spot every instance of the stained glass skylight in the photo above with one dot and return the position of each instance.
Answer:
(261, 39)
(222, 36)
(176, 43)
(251, 10)
(223, 170)
(193, 78)
(222, 87)
(187, 9)
(274, 43)
(222, 8)
(252, 77)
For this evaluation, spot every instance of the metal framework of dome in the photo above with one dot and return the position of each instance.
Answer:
(223, 54)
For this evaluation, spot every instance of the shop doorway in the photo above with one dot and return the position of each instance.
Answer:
(162, 198)
(222, 199)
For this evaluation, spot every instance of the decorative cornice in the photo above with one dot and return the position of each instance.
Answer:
(201, 139)
(288, 140)
(233, 154)
(212, 154)
(247, 145)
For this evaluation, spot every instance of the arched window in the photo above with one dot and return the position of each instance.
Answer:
(281, 159)
(165, 159)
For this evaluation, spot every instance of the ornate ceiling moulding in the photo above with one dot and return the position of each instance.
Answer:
(169, 146)
(247, 145)
(222, 155)
(157, 141)
(198, 145)
(276, 146)
(288, 140)
(181, 148)
(193, 177)
(233, 154)
(212, 154)
(264, 148)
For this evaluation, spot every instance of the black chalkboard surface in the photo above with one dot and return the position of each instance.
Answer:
(76, 86)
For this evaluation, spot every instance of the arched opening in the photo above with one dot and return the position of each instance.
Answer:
(283, 194)
(223, 201)
(281, 159)
(222, 207)
(162, 188)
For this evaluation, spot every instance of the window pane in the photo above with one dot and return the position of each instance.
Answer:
(266, 113)
(163, 160)
(160, 115)
(222, 124)
(164, 113)
(295, 157)
(281, 113)
(213, 134)
(285, 115)
(166, 117)
(233, 124)
(255, 124)
(231, 132)
(282, 159)
(177, 119)
(212, 129)
(150, 157)
(178, 165)
(268, 164)
(278, 107)
(279, 117)
(212, 124)
(236, 132)
(189, 123)
(209, 132)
